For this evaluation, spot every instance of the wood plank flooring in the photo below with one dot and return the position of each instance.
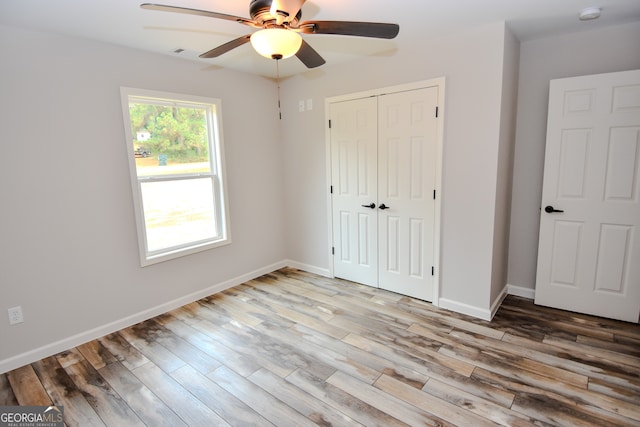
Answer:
(295, 349)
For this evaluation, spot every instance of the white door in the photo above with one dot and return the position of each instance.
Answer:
(383, 171)
(407, 153)
(354, 150)
(589, 246)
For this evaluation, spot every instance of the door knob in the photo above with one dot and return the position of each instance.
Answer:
(551, 209)
(370, 205)
(383, 207)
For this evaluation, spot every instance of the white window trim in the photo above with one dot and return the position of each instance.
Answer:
(218, 171)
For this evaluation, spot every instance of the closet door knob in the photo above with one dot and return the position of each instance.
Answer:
(370, 205)
(383, 206)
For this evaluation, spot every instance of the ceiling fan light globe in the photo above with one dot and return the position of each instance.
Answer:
(276, 42)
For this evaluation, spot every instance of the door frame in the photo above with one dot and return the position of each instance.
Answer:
(440, 84)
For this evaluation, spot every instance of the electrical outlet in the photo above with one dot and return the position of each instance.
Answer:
(15, 315)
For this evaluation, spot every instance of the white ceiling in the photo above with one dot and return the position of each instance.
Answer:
(123, 22)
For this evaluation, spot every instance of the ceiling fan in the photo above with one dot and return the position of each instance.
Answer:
(279, 27)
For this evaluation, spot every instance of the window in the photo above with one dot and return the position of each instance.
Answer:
(175, 153)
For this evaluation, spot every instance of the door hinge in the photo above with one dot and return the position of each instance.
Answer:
(331, 189)
(436, 111)
(432, 270)
(333, 250)
(329, 123)
(434, 194)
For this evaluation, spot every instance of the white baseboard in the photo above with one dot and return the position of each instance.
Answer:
(521, 291)
(498, 302)
(470, 310)
(83, 337)
(309, 268)
(458, 307)
(482, 313)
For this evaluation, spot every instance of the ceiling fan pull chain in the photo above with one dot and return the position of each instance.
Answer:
(278, 84)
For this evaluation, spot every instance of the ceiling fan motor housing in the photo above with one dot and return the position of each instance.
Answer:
(260, 11)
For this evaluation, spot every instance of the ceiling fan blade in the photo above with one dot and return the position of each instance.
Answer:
(350, 28)
(224, 48)
(176, 9)
(309, 56)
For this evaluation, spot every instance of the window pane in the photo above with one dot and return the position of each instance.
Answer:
(169, 139)
(178, 212)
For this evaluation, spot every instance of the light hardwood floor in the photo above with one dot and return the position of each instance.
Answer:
(294, 349)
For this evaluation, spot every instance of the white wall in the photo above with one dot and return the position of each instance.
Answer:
(504, 173)
(472, 63)
(607, 50)
(68, 251)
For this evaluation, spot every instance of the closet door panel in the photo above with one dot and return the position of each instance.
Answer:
(407, 138)
(354, 163)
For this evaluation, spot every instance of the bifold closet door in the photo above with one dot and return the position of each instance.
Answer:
(383, 169)
(354, 177)
(407, 151)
